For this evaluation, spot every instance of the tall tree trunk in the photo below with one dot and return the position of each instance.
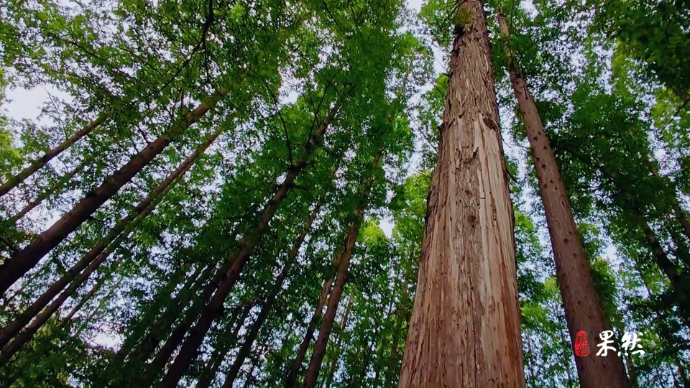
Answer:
(268, 304)
(24, 260)
(580, 300)
(36, 164)
(338, 342)
(465, 324)
(147, 204)
(248, 244)
(47, 193)
(309, 335)
(213, 364)
(632, 374)
(341, 277)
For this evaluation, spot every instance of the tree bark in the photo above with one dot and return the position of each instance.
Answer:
(580, 299)
(341, 277)
(465, 324)
(36, 164)
(343, 325)
(147, 204)
(248, 244)
(24, 260)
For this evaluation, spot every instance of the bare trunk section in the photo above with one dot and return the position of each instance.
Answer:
(341, 277)
(146, 205)
(580, 299)
(309, 335)
(43, 160)
(465, 324)
(45, 194)
(248, 244)
(22, 261)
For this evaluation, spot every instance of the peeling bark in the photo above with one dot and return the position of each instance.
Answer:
(465, 324)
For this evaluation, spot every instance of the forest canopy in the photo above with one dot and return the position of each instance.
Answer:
(344, 193)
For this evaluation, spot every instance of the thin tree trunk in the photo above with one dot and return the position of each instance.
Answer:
(465, 324)
(47, 193)
(309, 335)
(146, 204)
(36, 164)
(219, 353)
(266, 309)
(580, 300)
(338, 342)
(341, 277)
(632, 374)
(24, 260)
(248, 243)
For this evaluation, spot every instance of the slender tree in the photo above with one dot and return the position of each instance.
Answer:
(580, 300)
(36, 164)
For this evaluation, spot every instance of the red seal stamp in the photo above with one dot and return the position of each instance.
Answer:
(581, 345)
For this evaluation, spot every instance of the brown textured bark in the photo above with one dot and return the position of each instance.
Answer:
(334, 361)
(48, 156)
(341, 277)
(465, 324)
(248, 244)
(146, 204)
(22, 261)
(580, 299)
(309, 335)
(41, 197)
(268, 304)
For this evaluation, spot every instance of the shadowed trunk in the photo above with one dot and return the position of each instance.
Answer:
(580, 300)
(147, 204)
(24, 260)
(48, 156)
(465, 325)
(309, 335)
